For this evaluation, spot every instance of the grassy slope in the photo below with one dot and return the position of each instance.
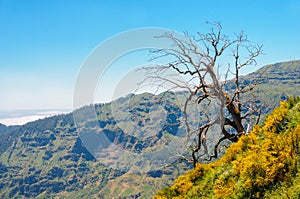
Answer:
(263, 164)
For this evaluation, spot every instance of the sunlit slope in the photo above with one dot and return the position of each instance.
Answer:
(263, 164)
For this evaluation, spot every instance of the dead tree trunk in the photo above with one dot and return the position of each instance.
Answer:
(198, 60)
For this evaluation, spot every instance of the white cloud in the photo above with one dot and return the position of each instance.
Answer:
(24, 118)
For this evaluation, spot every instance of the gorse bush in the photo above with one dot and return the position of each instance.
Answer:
(263, 164)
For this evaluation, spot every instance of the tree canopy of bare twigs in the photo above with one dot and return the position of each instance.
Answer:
(199, 60)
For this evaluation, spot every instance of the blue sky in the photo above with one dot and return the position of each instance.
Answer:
(44, 43)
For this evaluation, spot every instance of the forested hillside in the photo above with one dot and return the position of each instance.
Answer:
(46, 158)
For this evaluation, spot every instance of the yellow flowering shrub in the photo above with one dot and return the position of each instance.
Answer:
(268, 156)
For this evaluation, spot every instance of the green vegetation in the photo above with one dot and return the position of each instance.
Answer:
(263, 164)
(46, 158)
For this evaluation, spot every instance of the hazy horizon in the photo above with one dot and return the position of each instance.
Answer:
(20, 117)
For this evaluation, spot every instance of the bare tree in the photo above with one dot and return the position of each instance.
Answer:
(199, 59)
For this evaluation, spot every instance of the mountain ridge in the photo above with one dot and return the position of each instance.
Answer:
(46, 158)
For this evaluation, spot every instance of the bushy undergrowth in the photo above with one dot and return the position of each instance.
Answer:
(263, 164)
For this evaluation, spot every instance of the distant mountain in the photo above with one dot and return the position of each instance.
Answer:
(47, 158)
(277, 82)
(282, 73)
